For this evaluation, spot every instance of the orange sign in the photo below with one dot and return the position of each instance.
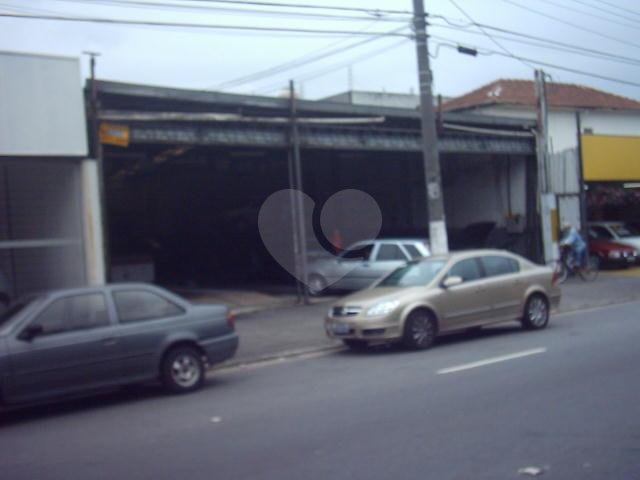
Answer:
(113, 134)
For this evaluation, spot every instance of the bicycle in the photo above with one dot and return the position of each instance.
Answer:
(566, 268)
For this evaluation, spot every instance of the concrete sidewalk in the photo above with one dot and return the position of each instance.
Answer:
(282, 329)
(245, 301)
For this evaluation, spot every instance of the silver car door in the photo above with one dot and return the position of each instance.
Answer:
(354, 265)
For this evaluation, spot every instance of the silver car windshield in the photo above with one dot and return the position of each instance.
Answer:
(413, 274)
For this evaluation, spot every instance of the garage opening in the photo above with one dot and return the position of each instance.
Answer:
(189, 216)
(489, 201)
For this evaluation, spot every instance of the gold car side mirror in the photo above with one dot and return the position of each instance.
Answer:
(451, 281)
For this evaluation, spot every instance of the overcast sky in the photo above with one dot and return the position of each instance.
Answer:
(198, 58)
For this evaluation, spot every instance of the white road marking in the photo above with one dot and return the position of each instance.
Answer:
(489, 361)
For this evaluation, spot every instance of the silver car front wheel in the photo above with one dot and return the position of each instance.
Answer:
(316, 285)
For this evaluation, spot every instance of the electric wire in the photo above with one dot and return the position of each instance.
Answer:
(370, 11)
(330, 50)
(632, 12)
(574, 25)
(484, 51)
(312, 75)
(143, 4)
(488, 35)
(150, 23)
(552, 42)
(593, 15)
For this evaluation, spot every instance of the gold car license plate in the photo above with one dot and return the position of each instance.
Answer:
(340, 328)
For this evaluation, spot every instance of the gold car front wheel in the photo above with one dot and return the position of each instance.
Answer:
(536, 312)
(420, 330)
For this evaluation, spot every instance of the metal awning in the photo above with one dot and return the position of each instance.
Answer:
(323, 138)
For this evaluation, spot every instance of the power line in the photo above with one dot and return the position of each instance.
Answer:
(593, 15)
(149, 23)
(230, 10)
(295, 63)
(543, 42)
(370, 11)
(332, 68)
(574, 25)
(632, 12)
(488, 35)
(547, 64)
(550, 45)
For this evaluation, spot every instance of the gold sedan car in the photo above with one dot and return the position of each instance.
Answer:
(442, 294)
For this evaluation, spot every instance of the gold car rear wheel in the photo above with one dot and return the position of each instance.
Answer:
(420, 330)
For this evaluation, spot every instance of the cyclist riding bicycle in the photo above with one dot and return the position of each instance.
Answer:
(572, 238)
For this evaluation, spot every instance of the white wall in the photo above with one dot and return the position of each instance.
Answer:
(564, 168)
(611, 122)
(92, 224)
(42, 107)
(562, 122)
(381, 99)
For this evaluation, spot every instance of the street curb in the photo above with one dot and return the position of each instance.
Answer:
(263, 308)
(277, 356)
(584, 308)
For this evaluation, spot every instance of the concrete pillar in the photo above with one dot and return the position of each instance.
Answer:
(92, 224)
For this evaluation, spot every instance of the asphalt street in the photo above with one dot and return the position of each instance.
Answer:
(564, 402)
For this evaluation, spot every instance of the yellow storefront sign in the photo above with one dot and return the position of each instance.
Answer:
(113, 134)
(610, 158)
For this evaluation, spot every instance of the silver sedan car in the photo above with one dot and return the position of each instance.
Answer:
(363, 263)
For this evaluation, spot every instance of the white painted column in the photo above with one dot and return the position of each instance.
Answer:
(549, 209)
(92, 223)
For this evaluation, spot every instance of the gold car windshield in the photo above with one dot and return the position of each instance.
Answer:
(413, 274)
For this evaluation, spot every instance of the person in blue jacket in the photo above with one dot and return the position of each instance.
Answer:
(572, 238)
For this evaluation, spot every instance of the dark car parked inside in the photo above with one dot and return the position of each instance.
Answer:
(71, 341)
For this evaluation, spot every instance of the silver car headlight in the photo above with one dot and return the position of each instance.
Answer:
(383, 308)
(615, 254)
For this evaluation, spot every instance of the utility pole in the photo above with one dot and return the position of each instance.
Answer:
(299, 225)
(294, 225)
(547, 204)
(98, 154)
(95, 128)
(542, 120)
(435, 204)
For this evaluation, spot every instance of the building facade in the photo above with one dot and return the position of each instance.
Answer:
(593, 166)
(50, 225)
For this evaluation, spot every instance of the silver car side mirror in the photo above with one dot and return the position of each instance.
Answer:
(451, 281)
(30, 332)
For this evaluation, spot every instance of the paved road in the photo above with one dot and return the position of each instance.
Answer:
(568, 403)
